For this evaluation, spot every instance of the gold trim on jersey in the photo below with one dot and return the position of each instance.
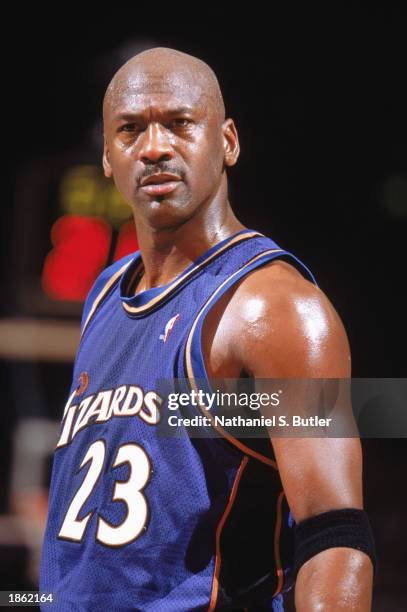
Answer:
(184, 277)
(132, 282)
(102, 294)
(191, 376)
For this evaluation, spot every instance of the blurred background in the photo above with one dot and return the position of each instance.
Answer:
(320, 104)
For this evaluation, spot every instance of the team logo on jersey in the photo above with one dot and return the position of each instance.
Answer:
(170, 324)
(124, 401)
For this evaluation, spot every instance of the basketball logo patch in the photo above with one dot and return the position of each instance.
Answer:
(170, 324)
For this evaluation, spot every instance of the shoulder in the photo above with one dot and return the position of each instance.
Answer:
(280, 290)
(103, 281)
(291, 324)
(278, 323)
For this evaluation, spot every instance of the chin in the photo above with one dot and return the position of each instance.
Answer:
(162, 213)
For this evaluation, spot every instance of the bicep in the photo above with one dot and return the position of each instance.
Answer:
(319, 474)
(302, 337)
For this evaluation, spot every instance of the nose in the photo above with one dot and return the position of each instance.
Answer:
(155, 146)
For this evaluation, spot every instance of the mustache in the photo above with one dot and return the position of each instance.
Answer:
(160, 168)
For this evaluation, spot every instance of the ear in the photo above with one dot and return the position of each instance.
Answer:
(230, 142)
(106, 161)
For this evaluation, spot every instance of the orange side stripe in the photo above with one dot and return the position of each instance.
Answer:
(218, 560)
(277, 533)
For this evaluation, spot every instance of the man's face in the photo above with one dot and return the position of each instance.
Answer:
(163, 123)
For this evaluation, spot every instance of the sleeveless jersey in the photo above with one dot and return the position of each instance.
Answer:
(138, 521)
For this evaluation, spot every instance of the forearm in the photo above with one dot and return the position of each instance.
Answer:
(335, 579)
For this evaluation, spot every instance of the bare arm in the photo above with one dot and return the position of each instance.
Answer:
(293, 331)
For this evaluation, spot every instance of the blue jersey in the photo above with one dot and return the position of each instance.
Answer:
(138, 521)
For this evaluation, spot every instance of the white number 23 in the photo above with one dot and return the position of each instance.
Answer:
(129, 491)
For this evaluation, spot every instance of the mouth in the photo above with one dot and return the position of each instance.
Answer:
(160, 188)
(159, 184)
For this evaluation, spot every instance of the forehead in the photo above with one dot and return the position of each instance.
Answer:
(149, 90)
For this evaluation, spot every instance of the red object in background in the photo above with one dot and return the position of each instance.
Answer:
(81, 248)
(126, 241)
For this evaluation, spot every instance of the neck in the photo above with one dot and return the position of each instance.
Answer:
(167, 252)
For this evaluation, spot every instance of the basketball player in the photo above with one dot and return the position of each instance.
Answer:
(141, 522)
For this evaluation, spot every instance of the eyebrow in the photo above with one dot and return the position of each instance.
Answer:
(131, 115)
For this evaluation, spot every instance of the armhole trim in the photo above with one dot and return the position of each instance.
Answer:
(194, 362)
(193, 358)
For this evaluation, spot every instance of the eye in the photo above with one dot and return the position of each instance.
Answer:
(181, 122)
(129, 127)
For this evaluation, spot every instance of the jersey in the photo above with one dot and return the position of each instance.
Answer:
(138, 521)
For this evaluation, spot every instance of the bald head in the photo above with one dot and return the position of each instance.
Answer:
(163, 113)
(159, 70)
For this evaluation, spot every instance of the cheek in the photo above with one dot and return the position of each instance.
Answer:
(123, 172)
(208, 166)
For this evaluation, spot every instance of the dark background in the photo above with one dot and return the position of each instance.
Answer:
(320, 105)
